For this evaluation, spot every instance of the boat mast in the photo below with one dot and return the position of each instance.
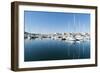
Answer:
(74, 23)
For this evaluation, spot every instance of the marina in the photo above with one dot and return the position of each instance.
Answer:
(57, 46)
(56, 36)
(59, 36)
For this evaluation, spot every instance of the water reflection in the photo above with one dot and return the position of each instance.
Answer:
(41, 50)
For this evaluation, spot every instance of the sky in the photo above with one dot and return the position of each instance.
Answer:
(56, 22)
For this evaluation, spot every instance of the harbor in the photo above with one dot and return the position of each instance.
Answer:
(51, 48)
(58, 36)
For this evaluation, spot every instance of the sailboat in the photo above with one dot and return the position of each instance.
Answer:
(71, 37)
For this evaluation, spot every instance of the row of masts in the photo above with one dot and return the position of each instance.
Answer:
(69, 37)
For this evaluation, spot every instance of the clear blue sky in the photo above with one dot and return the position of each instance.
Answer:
(56, 22)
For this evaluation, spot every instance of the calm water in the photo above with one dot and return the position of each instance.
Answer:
(41, 50)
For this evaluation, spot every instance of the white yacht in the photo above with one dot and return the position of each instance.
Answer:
(70, 38)
(79, 37)
(28, 37)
